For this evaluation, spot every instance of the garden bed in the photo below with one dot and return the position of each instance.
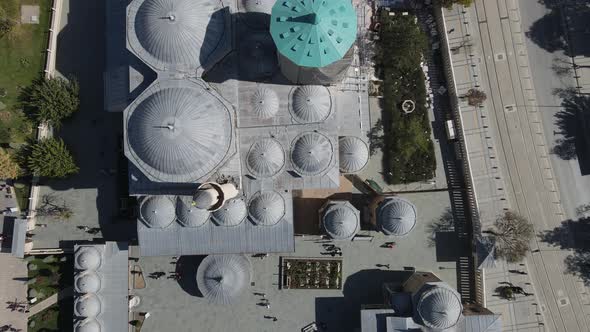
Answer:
(311, 273)
(48, 275)
(408, 150)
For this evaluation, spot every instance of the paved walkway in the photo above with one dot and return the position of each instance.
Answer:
(11, 290)
(510, 163)
(53, 299)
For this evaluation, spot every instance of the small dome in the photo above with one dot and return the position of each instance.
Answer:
(88, 258)
(440, 307)
(354, 154)
(310, 103)
(267, 208)
(232, 213)
(311, 153)
(222, 278)
(87, 325)
(264, 103)
(87, 282)
(87, 305)
(265, 157)
(189, 215)
(182, 33)
(157, 211)
(396, 216)
(341, 220)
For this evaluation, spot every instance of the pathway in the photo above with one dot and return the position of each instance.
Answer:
(53, 299)
(13, 287)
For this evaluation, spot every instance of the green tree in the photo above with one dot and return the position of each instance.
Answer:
(450, 3)
(51, 158)
(511, 235)
(52, 100)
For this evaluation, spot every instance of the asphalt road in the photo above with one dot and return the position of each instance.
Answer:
(573, 187)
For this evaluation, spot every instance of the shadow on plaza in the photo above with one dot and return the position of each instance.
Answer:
(92, 134)
(573, 122)
(187, 267)
(361, 288)
(572, 235)
(549, 32)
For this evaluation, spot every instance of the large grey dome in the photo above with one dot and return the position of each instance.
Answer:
(265, 158)
(157, 211)
(222, 278)
(267, 208)
(87, 305)
(311, 153)
(341, 220)
(310, 103)
(264, 103)
(232, 213)
(87, 258)
(87, 282)
(189, 215)
(175, 33)
(354, 154)
(440, 307)
(87, 325)
(178, 134)
(396, 216)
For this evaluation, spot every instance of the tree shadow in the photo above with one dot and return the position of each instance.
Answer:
(445, 223)
(573, 122)
(572, 235)
(549, 34)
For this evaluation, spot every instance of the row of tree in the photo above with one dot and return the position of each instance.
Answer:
(47, 102)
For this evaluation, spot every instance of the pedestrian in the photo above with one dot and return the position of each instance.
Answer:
(274, 319)
(267, 305)
(451, 31)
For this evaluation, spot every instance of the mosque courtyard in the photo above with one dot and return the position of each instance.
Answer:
(177, 305)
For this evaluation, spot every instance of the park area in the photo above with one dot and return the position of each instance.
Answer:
(408, 149)
(22, 59)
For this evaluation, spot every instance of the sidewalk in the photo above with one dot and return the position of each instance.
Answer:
(510, 165)
(53, 299)
(13, 287)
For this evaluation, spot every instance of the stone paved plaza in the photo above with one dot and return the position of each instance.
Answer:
(174, 308)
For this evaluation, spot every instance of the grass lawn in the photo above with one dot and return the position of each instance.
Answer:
(22, 59)
(408, 150)
(50, 276)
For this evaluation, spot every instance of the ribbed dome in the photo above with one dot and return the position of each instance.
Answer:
(232, 213)
(341, 220)
(177, 33)
(87, 305)
(189, 215)
(354, 154)
(440, 307)
(178, 134)
(222, 278)
(88, 258)
(264, 103)
(267, 208)
(396, 216)
(87, 282)
(310, 103)
(311, 153)
(157, 211)
(205, 198)
(265, 157)
(87, 325)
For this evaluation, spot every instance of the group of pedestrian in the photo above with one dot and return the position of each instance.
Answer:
(264, 302)
(157, 275)
(331, 249)
(90, 230)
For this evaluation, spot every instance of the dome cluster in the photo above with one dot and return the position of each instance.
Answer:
(87, 283)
